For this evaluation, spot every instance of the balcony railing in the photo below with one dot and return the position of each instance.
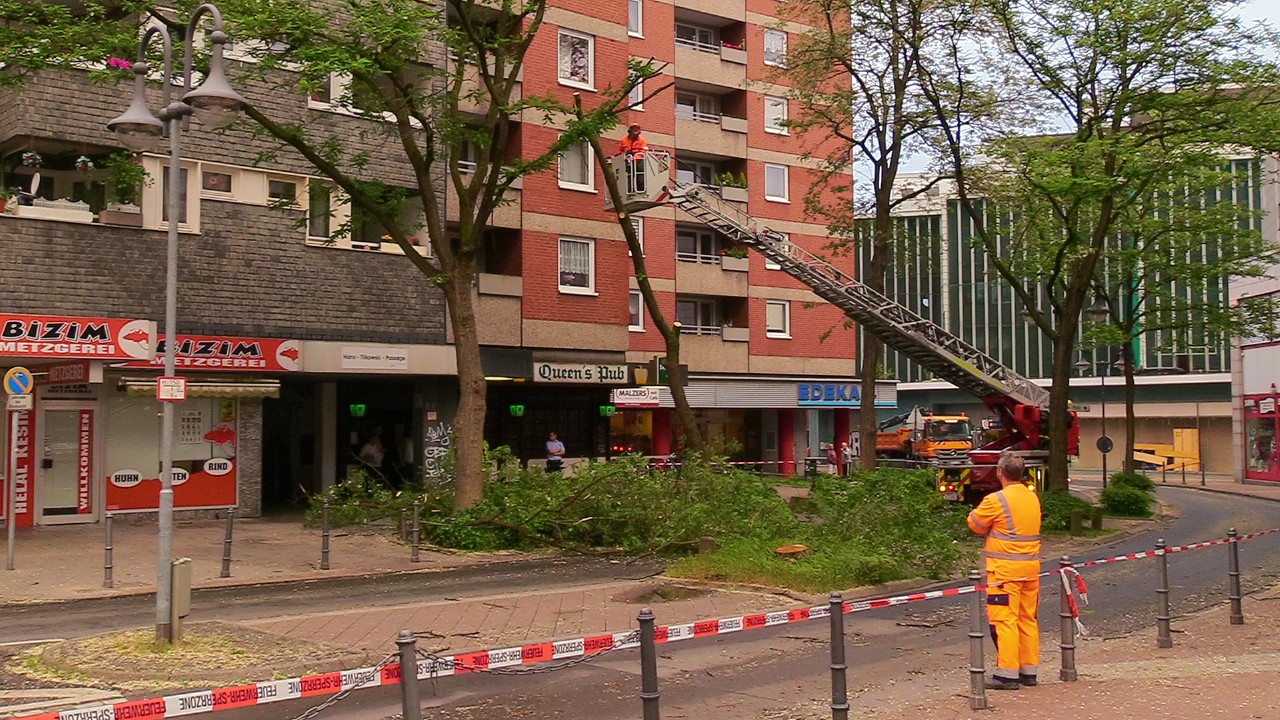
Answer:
(685, 113)
(698, 257)
(698, 45)
(699, 329)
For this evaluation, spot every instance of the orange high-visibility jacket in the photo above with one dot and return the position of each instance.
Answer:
(635, 147)
(1010, 519)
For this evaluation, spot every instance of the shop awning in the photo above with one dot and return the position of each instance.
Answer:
(207, 388)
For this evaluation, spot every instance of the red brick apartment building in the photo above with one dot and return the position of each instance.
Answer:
(754, 339)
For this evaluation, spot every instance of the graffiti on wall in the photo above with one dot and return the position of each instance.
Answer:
(435, 449)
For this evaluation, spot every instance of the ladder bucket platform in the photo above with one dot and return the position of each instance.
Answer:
(645, 181)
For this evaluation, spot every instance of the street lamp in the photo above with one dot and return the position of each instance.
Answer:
(1100, 311)
(214, 93)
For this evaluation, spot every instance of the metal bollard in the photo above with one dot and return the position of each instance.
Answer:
(324, 536)
(404, 525)
(108, 566)
(1164, 639)
(839, 683)
(1233, 577)
(226, 544)
(417, 530)
(977, 633)
(648, 667)
(1066, 625)
(410, 705)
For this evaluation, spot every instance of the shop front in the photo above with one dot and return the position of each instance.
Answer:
(1258, 410)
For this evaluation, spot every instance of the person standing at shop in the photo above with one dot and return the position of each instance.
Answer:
(555, 453)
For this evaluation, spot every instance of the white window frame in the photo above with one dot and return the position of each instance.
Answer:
(785, 332)
(785, 197)
(589, 159)
(782, 62)
(638, 224)
(590, 288)
(635, 98)
(638, 298)
(706, 39)
(637, 20)
(769, 264)
(591, 60)
(771, 101)
(685, 175)
(706, 242)
(715, 328)
(333, 211)
(706, 108)
(298, 190)
(236, 183)
(153, 195)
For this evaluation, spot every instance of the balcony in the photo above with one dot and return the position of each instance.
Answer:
(473, 98)
(499, 308)
(506, 215)
(719, 65)
(720, 134)
(715, 353)
(710, 278)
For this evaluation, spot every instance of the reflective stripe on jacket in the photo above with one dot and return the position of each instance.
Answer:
(1010, 519)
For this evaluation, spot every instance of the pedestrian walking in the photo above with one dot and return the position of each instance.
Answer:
(1010, 518)
(555, 453)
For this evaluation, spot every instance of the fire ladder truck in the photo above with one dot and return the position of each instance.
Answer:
(1021, 406)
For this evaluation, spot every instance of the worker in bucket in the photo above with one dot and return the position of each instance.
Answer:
(1010, 518)
(633, 146)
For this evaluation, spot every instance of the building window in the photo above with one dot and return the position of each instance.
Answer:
(775, 48)
(776, 183)
(319, 210)
(638, 224)
(635, 18)
(182, 196)
(694, 245)
(323, 94)
(777, 319)
(771, 265)
(696, 106)
(577, 59)
(468, 155)
(282, 192)
(775, 115)
(577, 266)
(701, 173)
(698, 38)
(636, 97)
(216, 182)
(636, 321)
(576, 172)
(698, 317)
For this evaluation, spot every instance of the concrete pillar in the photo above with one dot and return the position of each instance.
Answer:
(661, 431)
(786, 441)
(841, 436)
(249, 457)
(327, 434)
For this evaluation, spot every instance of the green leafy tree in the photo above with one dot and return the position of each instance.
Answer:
(1116, 97)
(435, 80)
(868, 104)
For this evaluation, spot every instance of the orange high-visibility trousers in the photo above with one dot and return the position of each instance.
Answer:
(1011, 610)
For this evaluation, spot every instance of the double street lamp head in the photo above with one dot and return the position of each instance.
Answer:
(1099, 310)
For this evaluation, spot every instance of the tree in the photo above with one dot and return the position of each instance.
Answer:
(670, 333)
(1165, 275)
(1123, 93)
(855, 76)
(434, 79)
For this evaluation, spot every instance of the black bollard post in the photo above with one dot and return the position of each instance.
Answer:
(410, 705)
(108, 565)
(839, 682)
(1164, 638)
(324, 536)
(648, 667)
(226, 544)
(1066, 624)
(1233, 577)
(977, 633)
(404, 525)
(417, 529)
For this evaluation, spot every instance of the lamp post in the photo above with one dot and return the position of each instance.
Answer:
(1100, 311)
(215, 93)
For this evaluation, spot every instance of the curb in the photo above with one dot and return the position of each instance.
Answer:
(1219, 491)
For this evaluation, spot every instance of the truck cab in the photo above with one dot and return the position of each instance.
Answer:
(922, 435)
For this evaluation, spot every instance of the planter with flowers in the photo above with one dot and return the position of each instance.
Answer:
(733, 188)
(733, 52)
(735, 259)
(127, 181)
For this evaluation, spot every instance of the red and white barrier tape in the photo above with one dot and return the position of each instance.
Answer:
(262, 693)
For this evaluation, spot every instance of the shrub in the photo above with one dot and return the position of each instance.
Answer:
(1127, 501)
(1055, 510)
(359, 499)
(1134, 480)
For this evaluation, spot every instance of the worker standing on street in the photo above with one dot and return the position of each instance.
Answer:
(1010, 518)
(633, 146)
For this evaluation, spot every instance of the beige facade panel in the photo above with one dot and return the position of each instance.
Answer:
(711, 137)
(503, 285)
(658, 284)
(499, 320)
(817, 367)
(709, 279)
(564, 225)
(506, 215)
(575, 336)
(777, 293)
(712, 354)
(773, 156)
(584, 23)
(709, 68)
(786, 226)
(768, 21)
(728, 9)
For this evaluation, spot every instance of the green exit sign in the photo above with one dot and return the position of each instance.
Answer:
(356, 409)
(608, 410)
(516, 410)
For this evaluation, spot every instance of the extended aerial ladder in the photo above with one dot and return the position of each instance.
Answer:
(1021, 405)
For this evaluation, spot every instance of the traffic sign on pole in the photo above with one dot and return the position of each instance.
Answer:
(19, 402)
(18, 381)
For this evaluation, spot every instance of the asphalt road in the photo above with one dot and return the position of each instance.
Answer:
(896, 651)
(758, 674)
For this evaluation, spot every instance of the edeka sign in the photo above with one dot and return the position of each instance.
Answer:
(213, 352)
(828, 394)
(76, 337)
(591, 374)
